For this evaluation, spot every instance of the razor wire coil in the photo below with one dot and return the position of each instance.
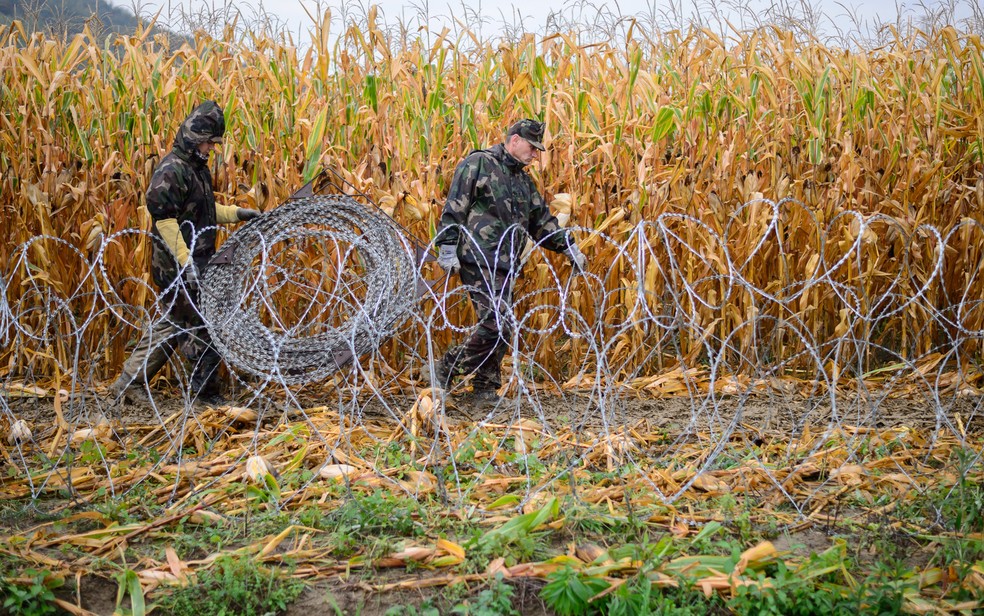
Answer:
(346, 276)
(351, 309)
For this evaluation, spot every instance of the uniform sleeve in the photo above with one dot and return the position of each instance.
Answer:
(459, 202)
(167, 193)
(226, 214)
(171, 234)
(543, 226)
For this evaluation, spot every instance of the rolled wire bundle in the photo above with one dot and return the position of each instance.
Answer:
(296, 293)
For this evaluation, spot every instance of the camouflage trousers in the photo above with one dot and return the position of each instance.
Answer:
(180, 327)
(483, 351)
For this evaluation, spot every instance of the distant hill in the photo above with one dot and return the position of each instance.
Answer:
(68, 17)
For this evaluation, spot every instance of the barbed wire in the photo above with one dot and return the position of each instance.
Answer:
(329, 330)
(364, 288)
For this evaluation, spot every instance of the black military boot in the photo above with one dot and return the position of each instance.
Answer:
(442, 376)
(127, 388)
(446, 369)
(485, 387)
(486, 395)
(206, 389)
(211, 396)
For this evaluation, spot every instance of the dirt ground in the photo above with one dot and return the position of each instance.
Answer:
(768, 412)
(98, 595)
(765, 412)
(353, 599)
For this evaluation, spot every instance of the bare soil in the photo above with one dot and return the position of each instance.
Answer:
(337, 597)
(93, 593)
(762, 412)
(98, 596)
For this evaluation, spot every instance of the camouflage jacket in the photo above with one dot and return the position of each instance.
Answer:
(496, 202)
(181, 188)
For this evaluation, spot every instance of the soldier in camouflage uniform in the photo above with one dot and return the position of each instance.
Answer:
(182, 206)
(492, 208)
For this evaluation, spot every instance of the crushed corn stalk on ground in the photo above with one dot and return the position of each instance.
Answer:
(232, 466)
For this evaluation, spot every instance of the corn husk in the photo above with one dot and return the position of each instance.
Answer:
(20, 432)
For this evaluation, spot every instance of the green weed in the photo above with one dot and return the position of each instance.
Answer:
(29, 593)
(515, 540)
(786, 593)
(569, 592)
(638, 597)
(426, 608)
(233, 587)
(496, 600)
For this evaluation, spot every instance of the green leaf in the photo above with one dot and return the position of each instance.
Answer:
(665, 122)
(312, 155)
(522, 525)
(371, 92)
(136, 594)
(568, 592)
(272, 486)
(710, 529)
(506, 500)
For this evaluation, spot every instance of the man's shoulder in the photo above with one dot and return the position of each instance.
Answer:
(171, 161)
(172, 165)
(476, 157)
(477, 162)
(171, 172)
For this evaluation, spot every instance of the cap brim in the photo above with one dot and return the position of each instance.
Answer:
(215, 139)
(537, 145)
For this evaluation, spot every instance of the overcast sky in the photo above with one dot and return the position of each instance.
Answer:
(533, 16)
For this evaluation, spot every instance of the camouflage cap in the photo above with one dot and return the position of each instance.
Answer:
(531, 130)
(205, 123)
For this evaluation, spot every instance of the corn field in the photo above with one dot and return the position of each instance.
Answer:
(681, 128)
(781, 310)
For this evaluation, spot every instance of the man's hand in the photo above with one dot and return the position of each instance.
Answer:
(191, 277)
(578, 261)
(447, 258)
(244, 214)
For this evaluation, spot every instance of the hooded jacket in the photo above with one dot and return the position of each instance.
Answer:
(181, 201)
(495, 200)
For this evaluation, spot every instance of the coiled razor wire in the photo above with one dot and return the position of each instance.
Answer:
(346, 274)
(365, 290)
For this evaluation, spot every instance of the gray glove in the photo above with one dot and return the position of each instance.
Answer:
(578, 261)
(447, 258)
(246, 214)
(191, 277)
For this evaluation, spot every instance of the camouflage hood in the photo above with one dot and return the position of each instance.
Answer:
(205, 123)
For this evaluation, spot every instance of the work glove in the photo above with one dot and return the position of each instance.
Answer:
(244, 214)
(578, 261)
(447, 258)
(191, 278)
